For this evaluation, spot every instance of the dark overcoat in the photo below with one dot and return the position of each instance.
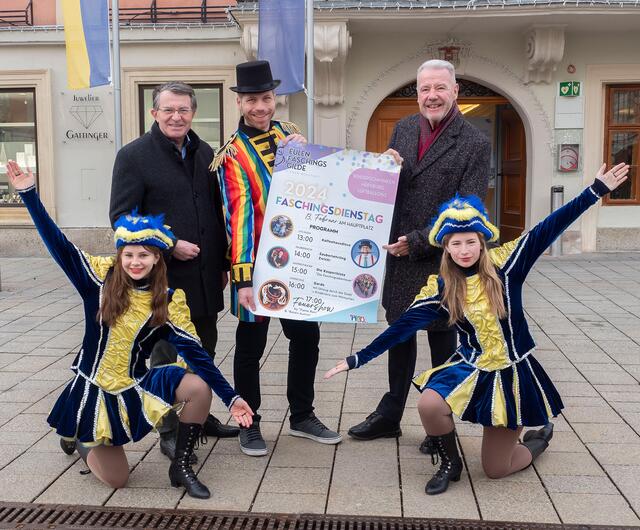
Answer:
(150, 174)
(458, 161)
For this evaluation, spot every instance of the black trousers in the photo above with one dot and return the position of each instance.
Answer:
(402, 365)
(251, 340)
(207, 330)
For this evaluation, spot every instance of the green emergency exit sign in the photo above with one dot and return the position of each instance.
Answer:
(570, 88)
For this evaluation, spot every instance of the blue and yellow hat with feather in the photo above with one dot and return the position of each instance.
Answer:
(462, 214)
(136, 229)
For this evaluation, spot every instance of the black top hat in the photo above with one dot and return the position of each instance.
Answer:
(254, 77)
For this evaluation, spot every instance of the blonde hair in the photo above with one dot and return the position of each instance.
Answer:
(455, 283)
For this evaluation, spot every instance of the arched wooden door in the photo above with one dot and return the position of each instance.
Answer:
(491, 112)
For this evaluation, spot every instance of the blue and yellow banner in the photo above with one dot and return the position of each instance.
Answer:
(86, 34)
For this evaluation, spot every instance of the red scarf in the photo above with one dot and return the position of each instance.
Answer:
(428, 134)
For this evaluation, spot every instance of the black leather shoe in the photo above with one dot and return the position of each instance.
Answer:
(375, 426)
(213, 427)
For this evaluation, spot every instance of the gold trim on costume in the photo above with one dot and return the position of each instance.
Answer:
(100, 265)
(290, 127)
(494, 353)
(498, 403)
(429, 290)
(500, 255)
(228, 149)
(241, 272)
(103, 425)
(112, 373)
(460, 396)
(180, 315)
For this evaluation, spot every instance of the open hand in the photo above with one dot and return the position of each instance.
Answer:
(19, 179)
(615, 176)
(242, 413)
(342, 366)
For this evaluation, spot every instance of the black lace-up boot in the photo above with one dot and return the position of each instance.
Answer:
(180, 472)
(450, 463)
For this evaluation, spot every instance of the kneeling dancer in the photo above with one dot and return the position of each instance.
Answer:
(113, 398)
(493, 379)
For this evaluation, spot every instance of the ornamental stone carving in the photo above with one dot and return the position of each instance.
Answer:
(331, 46)
(544, 51)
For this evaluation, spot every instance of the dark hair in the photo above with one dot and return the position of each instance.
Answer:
(175, 87)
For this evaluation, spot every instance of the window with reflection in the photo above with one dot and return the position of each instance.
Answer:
(17, 137)
(207, 122)
(622, 139)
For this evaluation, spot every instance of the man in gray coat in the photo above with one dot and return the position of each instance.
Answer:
(441, 154)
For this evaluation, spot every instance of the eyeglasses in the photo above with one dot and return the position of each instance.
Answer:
(183, 111)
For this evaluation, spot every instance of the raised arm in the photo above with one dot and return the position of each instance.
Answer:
(524, 251)
(71, 260)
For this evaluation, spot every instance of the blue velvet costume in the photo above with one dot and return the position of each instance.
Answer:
(493, 378)
(113, 398)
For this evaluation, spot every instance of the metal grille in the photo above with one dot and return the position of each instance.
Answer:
(59, 517)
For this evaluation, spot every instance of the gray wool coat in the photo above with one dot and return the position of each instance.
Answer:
(458, 161)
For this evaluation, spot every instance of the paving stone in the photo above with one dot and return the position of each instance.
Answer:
(73, 488)
(616, 454)
(578, 508)
(603, 414)
(286, 503)
(146, 497)
(554, 463)
(518, 502)
(299, 452)
(613, 433)
(296, 480)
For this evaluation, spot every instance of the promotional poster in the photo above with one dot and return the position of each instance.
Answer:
(328, 214)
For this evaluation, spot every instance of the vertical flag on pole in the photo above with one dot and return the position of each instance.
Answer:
(281, 42)
(86, 34)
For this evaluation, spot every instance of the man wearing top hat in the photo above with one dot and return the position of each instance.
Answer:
(245, 165)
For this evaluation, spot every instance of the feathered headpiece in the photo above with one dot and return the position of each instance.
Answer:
(135, 229)
(462, 214)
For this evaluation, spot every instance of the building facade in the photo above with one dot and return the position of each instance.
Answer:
(554, 85)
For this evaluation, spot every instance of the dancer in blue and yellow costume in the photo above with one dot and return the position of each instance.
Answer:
(113, 398)
(493, 379)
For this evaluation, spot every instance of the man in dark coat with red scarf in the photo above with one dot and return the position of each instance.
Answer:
(442, 154)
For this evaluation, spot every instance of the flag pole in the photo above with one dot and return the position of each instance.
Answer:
(310, 80)
(115, 25)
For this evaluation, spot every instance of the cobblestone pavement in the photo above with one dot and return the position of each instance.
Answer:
(585, 315)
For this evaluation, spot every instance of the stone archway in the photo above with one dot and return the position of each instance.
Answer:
(487, 72)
